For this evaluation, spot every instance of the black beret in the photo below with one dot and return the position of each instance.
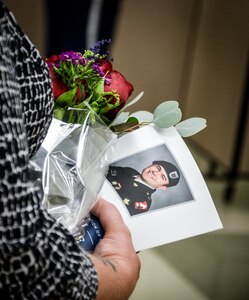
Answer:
(171, 171)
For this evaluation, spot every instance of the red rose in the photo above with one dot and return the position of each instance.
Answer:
(53, 60)
(106, 67)
(80, 93)
(122, 87)
(58, 85)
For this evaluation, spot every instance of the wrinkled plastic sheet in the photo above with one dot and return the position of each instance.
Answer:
(71, 166)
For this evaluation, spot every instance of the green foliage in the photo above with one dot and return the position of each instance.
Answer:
(72, 74)
(167, 114)
(67, 98)
(143, 116)
(129, 125)
(129, 103)
(59, 113)
(191, 126)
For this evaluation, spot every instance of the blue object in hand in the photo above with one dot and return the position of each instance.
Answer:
(94, 233)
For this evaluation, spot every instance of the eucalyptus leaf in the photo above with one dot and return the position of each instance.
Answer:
(167, 114)
(191, 126)
(129, 103)
(121, 118)
(135, 100)
(143, 116)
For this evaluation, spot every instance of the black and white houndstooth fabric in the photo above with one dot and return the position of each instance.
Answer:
(38, 257)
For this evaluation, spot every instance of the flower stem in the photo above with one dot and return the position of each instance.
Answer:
(134, 127)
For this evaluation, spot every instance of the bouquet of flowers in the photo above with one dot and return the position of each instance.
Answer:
(91, 99)
(88, 79)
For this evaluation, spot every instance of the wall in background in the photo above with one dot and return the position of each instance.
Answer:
(30, 15)
(217, 80)
(150, 47)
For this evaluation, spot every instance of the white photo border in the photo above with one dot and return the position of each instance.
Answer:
(174, 222)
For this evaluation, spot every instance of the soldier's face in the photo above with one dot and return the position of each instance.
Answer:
(155, 176)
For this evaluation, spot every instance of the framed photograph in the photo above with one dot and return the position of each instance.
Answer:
(155, 183)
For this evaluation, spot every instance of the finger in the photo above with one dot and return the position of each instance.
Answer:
(108, 215)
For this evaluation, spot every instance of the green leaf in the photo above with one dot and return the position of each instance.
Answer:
(167, 114)
(83, 103)
(191, 126)
(132, 120)
(59, 113)
(67, 98)
(128, 126)
(107, 107)
(120, 118)
(135, 100)
(129, 103)
(99, 88)
(143, 116)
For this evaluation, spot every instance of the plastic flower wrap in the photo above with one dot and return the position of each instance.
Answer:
(72, 164)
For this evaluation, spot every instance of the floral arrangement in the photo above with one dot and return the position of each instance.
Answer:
(80, 79)
(88, 79)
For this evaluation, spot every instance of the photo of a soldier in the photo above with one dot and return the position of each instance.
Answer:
(136, 188)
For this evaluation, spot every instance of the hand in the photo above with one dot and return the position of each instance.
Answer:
(115, 259)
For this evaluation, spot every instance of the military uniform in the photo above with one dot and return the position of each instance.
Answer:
(135, 195)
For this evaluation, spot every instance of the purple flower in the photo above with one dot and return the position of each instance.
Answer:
(97, 49)
(75, 57)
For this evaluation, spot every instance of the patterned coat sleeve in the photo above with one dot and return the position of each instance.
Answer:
(38, 257)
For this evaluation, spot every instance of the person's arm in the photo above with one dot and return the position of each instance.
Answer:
(114, 258)
(38, 257)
